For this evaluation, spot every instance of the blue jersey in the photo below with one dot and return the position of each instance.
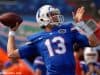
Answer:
(39, 64)
(85, 67)
(56, 48)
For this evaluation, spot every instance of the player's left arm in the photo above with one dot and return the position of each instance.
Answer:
(78, 16)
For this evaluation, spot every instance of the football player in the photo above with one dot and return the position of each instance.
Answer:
(55, 43)
(90, 66)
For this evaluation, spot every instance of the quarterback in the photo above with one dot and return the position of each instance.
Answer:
(54, 44)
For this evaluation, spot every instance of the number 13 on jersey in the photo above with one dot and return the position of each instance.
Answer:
(61, 48)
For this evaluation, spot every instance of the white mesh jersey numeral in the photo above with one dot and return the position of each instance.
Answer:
(61, 49)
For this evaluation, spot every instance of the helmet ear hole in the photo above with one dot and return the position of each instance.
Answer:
(41, 19)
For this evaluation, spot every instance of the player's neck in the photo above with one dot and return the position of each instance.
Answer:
(48, 28)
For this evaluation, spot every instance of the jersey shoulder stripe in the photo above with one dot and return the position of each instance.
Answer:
(35, 37)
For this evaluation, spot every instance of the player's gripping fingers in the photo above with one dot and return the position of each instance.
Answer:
(15, 27)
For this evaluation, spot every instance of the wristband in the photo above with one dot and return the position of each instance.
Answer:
(11, 33)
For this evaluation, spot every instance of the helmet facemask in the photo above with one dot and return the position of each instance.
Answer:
(55, 18)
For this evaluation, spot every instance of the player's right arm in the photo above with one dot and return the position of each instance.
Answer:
(11, 47)
(23, 51)
(78, 16)
(26, 50)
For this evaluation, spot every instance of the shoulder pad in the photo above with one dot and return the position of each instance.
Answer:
(35, 37)
(68, 25)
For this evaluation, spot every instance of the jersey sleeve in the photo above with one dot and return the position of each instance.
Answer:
(81, 39)
(27, 50)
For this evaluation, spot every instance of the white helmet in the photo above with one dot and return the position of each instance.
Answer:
(46, 15)
(90, 55)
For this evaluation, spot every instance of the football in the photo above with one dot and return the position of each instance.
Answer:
(10, 19)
